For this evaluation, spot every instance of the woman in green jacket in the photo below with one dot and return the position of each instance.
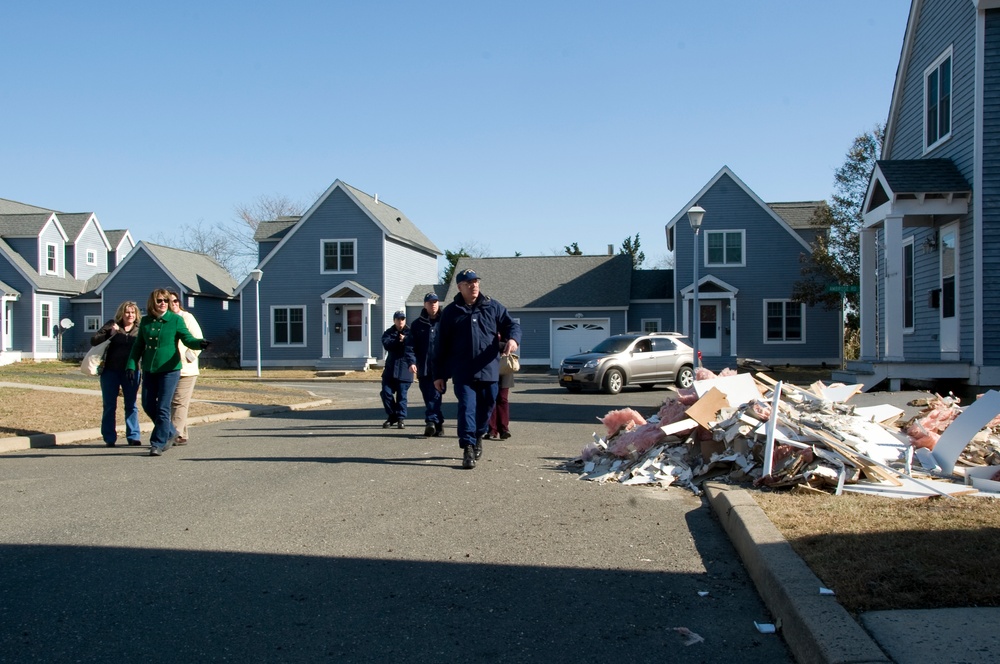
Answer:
(156, 351)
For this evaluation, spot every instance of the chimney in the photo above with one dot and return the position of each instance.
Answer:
(611, 250)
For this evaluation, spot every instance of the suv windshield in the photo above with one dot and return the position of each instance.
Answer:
(613, 345)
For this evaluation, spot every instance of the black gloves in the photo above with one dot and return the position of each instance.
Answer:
(205, 343)
(130, 375)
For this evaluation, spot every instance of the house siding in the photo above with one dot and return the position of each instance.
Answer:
(215, 322)
(28, 249)
(662, 310)
(990, 187)
(137, 279)
(404, 267)
(50, 235)
(89, 240)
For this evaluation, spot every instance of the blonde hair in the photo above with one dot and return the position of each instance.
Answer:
(151, 302)
(120, 314)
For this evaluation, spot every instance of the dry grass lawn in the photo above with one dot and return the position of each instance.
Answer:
(886, 553)
(25, 411)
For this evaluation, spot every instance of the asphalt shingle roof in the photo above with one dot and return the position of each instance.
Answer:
(23, 225)
(923, 176)
(42, 282)
(394, 221)
(197, 273)
(549, 282)
(13, 207)
(652, 285)
(800, 214)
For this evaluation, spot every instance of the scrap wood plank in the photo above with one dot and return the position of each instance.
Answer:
(770, 383)
(870, 467)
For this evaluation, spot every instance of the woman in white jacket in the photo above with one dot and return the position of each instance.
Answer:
(189, 373)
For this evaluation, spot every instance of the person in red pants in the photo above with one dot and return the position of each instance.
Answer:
(500, 418)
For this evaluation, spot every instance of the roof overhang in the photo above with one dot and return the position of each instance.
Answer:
(892, 193)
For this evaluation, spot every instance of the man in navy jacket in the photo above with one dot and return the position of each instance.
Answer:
(400, 367)
(474, 331)
(423, 332)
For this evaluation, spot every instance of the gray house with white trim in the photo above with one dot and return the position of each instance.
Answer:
(748, 260)
(330, 281)
(930, 242)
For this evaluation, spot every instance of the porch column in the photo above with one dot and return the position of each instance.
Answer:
(893, 288)
(325, 306)
(869, 308)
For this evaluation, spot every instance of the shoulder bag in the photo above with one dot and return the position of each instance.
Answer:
(94, 359)
(509, 364)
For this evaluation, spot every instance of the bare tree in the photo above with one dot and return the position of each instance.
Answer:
(249, 217)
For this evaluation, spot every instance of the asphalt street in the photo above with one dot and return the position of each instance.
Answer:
(318, 536)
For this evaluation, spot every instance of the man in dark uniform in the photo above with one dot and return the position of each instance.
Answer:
(423, 332)
(467, 351)
(400, 366)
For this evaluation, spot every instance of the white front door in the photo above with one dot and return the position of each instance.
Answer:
(710, 329)
(353, 331)
(948, 309)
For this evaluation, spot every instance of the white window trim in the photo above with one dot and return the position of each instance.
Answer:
(951, 99)
(91, 257)
(783, 341)
(908, 242)
(91, 323)
(55, 258)
(46, 330)
(305, 326)
(322, 255)
(725, 231)
(643, 321)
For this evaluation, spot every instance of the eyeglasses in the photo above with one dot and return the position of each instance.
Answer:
(160, 300)
(174, 302)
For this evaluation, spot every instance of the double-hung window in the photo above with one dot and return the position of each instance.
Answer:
(45, 322)
(51, 262)
(784, 320)
(724, 248)
(339, 256)
(937, 101)
(288, 326)
(908, 295)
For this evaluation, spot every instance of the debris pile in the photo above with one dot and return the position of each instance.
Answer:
(752, 429)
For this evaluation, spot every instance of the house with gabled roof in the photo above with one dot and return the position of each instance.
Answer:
(748, 259)
(930, 238)
(207, 289)
(330, 280)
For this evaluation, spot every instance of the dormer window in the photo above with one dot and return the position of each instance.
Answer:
(91, 257)
(937, 101)
(51, 266)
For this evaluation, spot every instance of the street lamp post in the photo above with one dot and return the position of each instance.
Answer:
(695, 216)
(257, 275)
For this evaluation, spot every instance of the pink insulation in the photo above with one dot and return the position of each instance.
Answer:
(921, 437)
(623, 418)
(638, 440)
(672, 411)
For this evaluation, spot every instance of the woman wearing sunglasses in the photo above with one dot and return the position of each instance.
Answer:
(156, 351)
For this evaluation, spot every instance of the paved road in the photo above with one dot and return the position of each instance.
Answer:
(318, 536)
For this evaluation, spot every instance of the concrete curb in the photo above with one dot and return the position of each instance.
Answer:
(67, 437)
(815, 627)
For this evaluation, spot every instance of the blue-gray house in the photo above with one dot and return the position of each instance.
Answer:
(330, 280)
(930, 242)
(748, 260)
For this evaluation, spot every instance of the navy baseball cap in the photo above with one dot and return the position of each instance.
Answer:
(466, 275)
(399, 314)
(431, 297)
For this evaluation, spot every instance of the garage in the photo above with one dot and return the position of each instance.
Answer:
(576, 335)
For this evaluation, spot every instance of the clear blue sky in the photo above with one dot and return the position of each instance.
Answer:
(523, 126)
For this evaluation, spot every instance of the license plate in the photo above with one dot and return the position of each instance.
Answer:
(567, 379)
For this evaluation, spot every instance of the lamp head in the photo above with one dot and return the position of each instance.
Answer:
(695, 216)
(256, 275)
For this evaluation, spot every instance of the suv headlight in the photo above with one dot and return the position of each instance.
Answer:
(591, 364)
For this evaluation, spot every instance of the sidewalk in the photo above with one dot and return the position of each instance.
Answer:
(16, 443)
(818, 629)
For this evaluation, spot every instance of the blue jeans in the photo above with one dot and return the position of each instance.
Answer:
(111, 381)
(432, 401)
(157, 393)
(475, 404)
(394, 398)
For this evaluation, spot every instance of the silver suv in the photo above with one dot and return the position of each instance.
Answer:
(633, 358)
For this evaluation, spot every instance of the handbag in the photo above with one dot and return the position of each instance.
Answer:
(509, 364)
(94, 359)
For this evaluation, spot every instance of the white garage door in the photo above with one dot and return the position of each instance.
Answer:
(577, 335)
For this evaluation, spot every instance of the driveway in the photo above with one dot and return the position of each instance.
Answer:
(319, 536)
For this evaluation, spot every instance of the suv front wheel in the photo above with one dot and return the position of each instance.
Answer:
(685, 377)
(614, 381)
